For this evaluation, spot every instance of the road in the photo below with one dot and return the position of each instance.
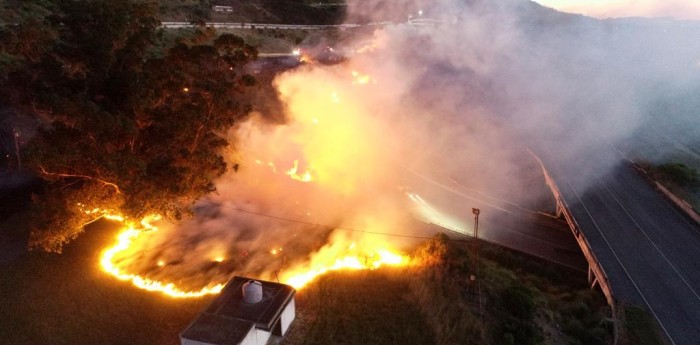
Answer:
(448, 205)
(649, 250)
(229, 25)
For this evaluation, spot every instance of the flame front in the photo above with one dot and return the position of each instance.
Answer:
(300, 277)
(353, 186)
(295, 175)
(326, 260)
(124, 240)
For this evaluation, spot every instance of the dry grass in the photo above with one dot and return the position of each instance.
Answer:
(66, 299)
(366, 307)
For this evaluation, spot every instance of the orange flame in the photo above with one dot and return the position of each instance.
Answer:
(361, 79)
(324, 261)
(329, 260)
(128, 234)
(303, 177)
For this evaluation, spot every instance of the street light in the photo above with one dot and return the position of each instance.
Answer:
(476, 212)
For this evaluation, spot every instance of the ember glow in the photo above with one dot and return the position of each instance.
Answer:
(343, 254)
(303, 275)
(330, 144)
(329, 258)
(342, 143)
(129, 232)
(296, 174)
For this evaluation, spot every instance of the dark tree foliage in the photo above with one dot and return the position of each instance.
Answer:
(120, 126)
(679, 174)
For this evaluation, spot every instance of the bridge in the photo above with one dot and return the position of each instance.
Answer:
(640, 248)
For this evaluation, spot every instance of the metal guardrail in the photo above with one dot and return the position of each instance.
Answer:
(594, 267)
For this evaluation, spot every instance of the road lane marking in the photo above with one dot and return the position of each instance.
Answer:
(647, 236)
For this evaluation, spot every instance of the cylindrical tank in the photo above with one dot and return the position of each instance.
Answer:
(252, 292)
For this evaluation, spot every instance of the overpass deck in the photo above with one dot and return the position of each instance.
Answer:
(647, 248)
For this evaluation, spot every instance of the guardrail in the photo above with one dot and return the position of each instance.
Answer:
(594, 267)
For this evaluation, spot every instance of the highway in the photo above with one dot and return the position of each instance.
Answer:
(448, 205)
(648, 249)
(250, 26)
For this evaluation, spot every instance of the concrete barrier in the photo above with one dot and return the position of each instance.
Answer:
(682, 204)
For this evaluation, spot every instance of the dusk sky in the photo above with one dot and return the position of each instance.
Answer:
(678, 9)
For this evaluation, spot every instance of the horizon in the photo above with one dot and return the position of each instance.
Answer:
(605, 9)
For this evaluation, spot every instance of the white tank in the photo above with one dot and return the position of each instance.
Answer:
(252, 292)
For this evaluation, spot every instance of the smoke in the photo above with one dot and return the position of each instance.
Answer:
(679, 9)
(424, 110)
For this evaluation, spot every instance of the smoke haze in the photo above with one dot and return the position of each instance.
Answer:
(678, 9)
(421, 107)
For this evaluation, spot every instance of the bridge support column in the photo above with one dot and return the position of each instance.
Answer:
(560, 210)
(592, 278)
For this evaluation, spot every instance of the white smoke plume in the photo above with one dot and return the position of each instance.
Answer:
(456, 101)
(677, 9)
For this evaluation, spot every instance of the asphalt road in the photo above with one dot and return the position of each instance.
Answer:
(649, 250)
(251, 26)
(509, 225)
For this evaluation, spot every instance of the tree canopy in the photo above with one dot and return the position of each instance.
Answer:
(117, 122)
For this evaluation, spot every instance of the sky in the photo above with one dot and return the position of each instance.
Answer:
(678, 9)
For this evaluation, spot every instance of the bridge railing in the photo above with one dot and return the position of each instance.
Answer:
(594, 266)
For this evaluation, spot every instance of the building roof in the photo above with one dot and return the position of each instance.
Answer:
(217, 329)
(229, 318)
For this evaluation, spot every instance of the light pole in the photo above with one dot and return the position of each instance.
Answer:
(476, 212)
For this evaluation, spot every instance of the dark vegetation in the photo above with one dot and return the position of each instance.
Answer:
(678, 174)
(679, 178)
(524, 301)
(639, 328)
(109, 117)
(67, 299)
(317, 12)
(359, 307)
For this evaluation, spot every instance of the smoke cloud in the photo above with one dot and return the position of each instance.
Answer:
(678, 9)
(418, 109)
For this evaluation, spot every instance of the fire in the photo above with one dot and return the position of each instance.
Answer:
(295, 175)
(330, 258)
(328, 126)
(361, 79)
(123, 241)
(326, 260)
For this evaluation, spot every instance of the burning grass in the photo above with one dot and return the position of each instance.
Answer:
(68, 299)
(360, 307)
(525, 301)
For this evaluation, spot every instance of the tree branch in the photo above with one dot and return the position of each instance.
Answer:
(106, 183)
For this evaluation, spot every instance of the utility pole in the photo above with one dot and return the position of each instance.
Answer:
(475, 277)
(476, 212)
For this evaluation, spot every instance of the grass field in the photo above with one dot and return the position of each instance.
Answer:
(639, 328)
(66, 299)
(524, 301)
(366, 307)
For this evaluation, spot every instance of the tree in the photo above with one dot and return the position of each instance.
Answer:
(122, 126)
